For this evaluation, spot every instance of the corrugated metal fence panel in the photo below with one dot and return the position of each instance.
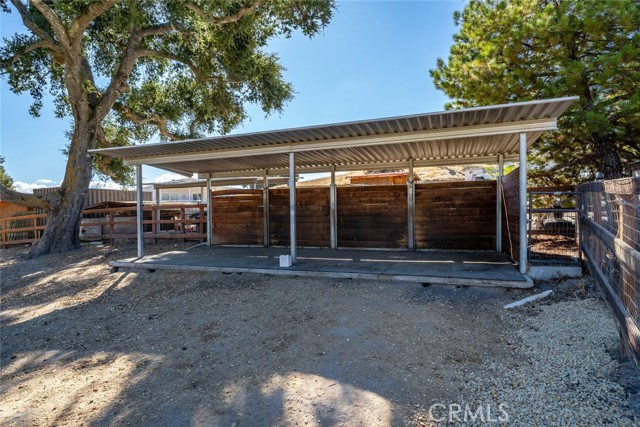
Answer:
(99, 195)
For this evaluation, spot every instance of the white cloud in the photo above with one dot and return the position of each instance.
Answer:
(25, 187)
(167, 176)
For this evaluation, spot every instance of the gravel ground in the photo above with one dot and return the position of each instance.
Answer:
(567, 373)
(83, 345)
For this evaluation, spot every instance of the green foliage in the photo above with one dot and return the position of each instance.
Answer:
(520, 50)
(5, 179)
(196, 64)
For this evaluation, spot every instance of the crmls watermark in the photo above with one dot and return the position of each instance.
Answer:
(453, 412)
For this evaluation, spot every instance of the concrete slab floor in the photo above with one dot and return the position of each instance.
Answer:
(474, 268)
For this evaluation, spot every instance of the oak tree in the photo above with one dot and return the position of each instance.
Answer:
(130, 70)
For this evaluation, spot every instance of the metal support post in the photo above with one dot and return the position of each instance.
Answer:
(292, 205)
(158, 226)
(265, 209)
(139, 211)
(209, 212)
(523, 202)
(411, 213)
(333, 212)
(499, 203)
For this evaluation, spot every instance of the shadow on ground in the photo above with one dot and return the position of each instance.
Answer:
(83, 345)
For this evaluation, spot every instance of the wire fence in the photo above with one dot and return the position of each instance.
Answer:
(554, 232)
(611, 243)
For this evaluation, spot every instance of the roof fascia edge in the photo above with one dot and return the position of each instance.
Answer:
(538, 125)
(365, 166)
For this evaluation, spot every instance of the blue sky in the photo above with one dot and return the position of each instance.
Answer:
(371, 61)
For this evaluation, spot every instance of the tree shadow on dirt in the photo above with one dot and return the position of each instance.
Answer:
(175, 348)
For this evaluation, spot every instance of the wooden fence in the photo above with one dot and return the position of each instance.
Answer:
(21, 229)
(179, 221)
(456, 215)
(611, 244)
(372, 216)
(450, 215)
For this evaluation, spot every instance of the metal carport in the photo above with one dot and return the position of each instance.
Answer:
(491, 134)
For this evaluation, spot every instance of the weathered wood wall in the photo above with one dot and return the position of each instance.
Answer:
(372, 216)
(237, 217)
(312, 217)
(453, 215)
(511, 214)
(456, 215)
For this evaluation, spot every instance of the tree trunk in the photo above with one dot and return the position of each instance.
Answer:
(609, 158)
(63, 223)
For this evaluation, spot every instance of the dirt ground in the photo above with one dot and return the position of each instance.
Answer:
(83, 345)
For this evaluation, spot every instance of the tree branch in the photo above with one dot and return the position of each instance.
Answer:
(119, 80)
(200, 77)
(192, 128)
(160, 29)
(26, 19)
(23, 199)
(42, 44)
(223, 19)
(94, 10)
(53, 20)
(153, 119)
(150, 53)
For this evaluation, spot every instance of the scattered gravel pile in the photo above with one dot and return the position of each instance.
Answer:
(566, 375)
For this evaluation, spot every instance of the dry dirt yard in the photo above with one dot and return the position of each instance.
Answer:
(84, 345)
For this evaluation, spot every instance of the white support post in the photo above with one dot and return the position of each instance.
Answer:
(209, 212)
(411, 214)
(333, 211)
(292, 205)
(265, 209)
(157, 215)
(523, 202)
(139, 211)
(499, 203)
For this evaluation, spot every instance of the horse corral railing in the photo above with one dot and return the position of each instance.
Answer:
(165, 221)
(21, 229)
(611, 244)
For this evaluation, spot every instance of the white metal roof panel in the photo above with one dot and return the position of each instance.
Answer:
(455, 136)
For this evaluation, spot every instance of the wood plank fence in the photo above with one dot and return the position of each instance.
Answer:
(21, 229)
(611, 243)
(174, 221)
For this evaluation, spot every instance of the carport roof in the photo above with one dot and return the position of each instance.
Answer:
(471, 135)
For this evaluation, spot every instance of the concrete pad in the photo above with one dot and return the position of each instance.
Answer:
(550, 272)
(472, 268)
